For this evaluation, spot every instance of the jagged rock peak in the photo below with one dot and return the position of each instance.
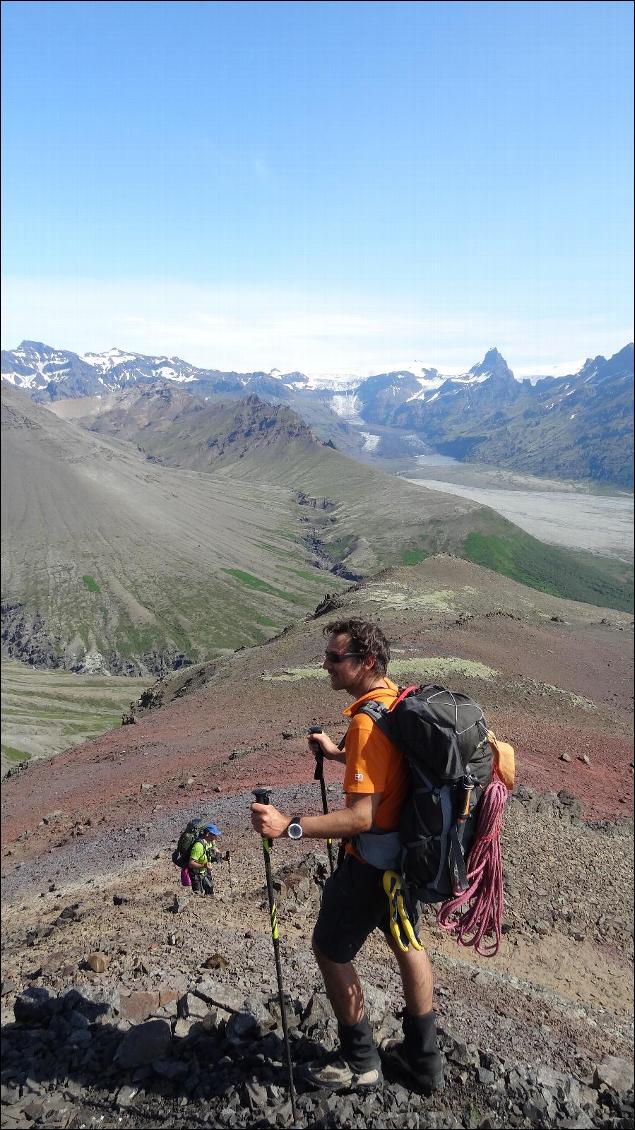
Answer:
(493, 364)
(39, 348)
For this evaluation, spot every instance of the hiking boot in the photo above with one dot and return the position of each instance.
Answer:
(417, 1056)
(337, 1075)
(426, 1070)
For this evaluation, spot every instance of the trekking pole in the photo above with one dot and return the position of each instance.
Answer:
(263, 796)
(319, 776)
(228, 857)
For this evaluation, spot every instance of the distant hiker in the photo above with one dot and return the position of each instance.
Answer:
(203, 855)
(354, 902)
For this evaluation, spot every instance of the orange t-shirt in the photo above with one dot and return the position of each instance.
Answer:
(373, 763)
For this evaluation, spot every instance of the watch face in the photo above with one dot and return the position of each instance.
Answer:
(294, 831)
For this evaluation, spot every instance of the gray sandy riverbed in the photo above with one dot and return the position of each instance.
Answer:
(598, 523)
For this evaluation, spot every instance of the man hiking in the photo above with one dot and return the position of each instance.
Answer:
(354, 902)
(202, 855)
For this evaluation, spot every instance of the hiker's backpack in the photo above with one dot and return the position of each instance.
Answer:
(190, 834)
(444, 739)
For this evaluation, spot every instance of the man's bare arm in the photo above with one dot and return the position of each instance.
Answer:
(342, 823)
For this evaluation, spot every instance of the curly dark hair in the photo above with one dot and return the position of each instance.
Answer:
(366, 639)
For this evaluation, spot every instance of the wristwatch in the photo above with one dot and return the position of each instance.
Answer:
(294, 830)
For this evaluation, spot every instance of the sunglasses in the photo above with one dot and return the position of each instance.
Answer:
(338, 656)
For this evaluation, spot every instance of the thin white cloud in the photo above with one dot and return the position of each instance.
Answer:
(249, 328)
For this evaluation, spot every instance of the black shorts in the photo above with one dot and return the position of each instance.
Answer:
(354, 904)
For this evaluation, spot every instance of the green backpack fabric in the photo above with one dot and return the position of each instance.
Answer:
(190, 834)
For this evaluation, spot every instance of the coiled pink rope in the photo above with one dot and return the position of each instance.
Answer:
(479, 910)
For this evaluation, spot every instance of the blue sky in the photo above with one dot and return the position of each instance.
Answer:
(332, 187)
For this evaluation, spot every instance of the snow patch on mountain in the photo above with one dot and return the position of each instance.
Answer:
(167, 373)
(472, 378)
(109, 359)
(427, 385)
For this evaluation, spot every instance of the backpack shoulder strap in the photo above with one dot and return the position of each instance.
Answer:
(373, 708)
(380, 713)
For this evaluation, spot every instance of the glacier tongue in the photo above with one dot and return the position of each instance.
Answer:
(347, 406)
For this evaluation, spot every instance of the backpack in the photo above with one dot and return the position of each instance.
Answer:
(446, 744)
(190, 834)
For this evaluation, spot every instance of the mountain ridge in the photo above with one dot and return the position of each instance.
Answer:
(484, 414)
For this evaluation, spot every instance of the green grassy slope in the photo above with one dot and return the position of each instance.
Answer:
(577, 576)
(44, 712)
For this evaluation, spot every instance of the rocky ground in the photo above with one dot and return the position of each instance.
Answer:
(128, 1002)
